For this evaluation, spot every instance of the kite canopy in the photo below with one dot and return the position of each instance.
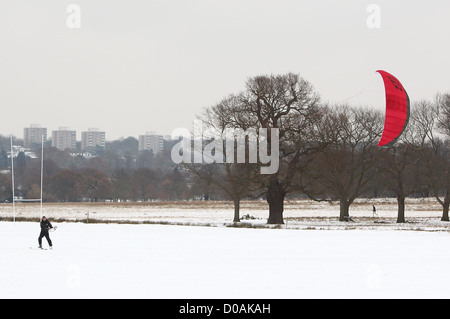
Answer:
(397, 109)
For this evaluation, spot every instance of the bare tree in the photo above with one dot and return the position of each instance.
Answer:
(290, 104)
(286, 103)
(233, 177)
(444, 124)
(399, 173)
(5, 188)
(443, 104)
(401, 163)
(343, 169)
(437, 157)
(429, 118)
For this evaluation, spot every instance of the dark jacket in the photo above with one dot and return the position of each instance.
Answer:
(45, 226)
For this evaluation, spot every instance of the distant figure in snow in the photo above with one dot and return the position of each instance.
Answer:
(374, 209)
(45, 227)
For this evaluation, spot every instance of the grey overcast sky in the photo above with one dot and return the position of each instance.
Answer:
(153, 65)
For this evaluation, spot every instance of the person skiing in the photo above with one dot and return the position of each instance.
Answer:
(45, 227)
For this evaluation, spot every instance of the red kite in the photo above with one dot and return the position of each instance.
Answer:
(397, 109)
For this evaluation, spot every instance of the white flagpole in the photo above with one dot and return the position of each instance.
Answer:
(42, 171)
(12, 182)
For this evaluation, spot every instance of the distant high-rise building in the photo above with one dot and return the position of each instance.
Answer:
(151, 142)
(34, 134)
(64, 139)
(92, 139)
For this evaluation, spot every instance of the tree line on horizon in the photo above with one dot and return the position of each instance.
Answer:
(327, 153)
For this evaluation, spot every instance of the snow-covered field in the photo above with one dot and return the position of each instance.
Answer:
(95, 260)
(158, 261)
(423, 214)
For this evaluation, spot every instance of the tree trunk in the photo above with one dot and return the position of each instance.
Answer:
(344, 215)
(446, 207)
(237, 206)
(275, 198)
(401, 209)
